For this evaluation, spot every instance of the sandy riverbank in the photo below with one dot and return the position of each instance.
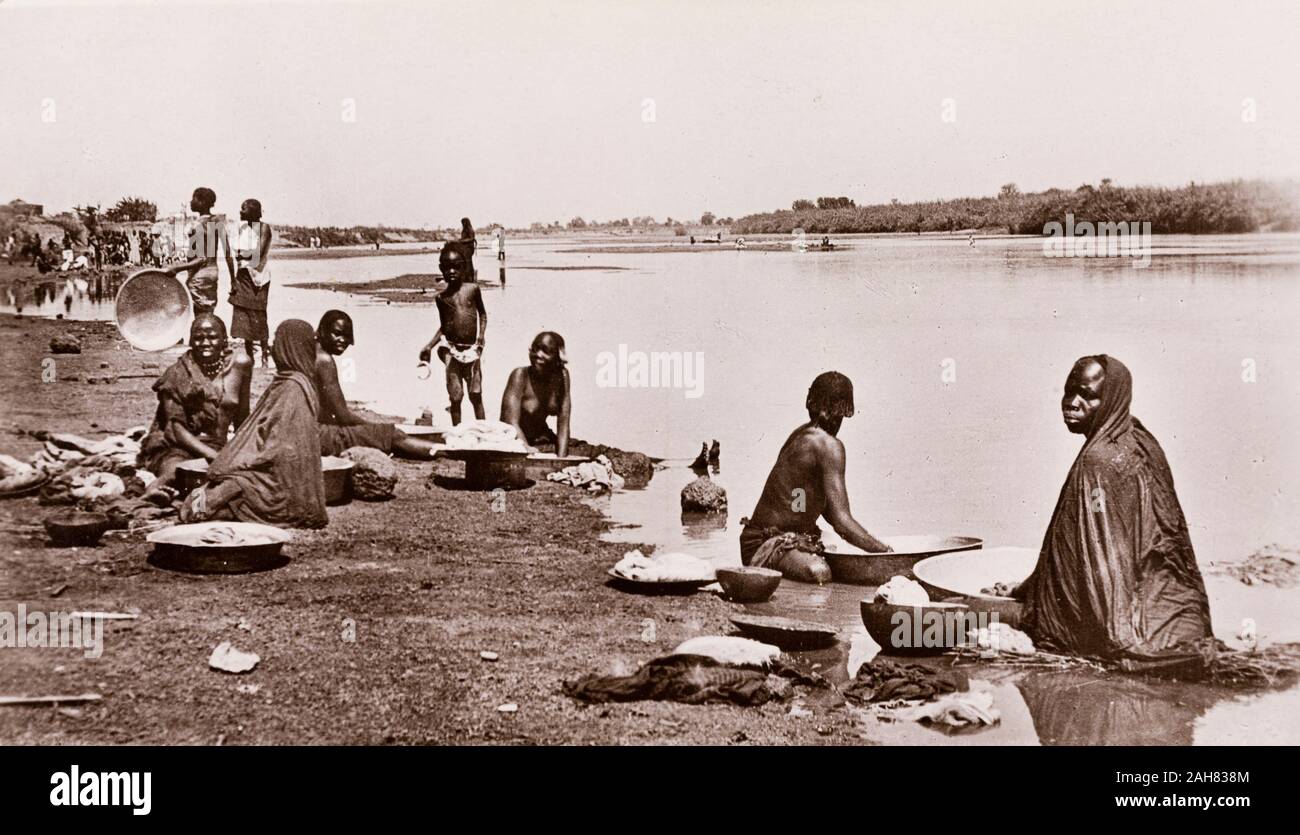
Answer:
(429, 579)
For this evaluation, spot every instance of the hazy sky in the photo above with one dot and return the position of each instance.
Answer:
(513, 112)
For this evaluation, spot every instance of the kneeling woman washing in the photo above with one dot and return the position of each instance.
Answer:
(270, 472)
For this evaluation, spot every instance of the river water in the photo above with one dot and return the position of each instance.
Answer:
(957, 353)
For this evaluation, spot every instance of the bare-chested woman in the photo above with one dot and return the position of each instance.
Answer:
(538, 390)
(807, 483)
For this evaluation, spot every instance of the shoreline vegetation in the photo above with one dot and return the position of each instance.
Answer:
(1240, 206)
(1234, 207)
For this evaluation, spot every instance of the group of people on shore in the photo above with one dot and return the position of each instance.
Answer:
(105, 248)
(268, 472)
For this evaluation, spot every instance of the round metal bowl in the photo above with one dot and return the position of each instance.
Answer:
(665, 587)
(747, 584)
(903, 629)
(75, 528)
(153, 310)
(965, 575)
(876, 569)
(191, 475)
(786, 633)
(338, 479)
(180, 548)
(431, 434)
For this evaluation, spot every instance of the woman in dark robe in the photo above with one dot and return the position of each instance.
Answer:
(1116, 577)
(270, 472)
(199, 398)
(538, 390)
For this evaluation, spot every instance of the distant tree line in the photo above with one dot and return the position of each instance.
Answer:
(353, 235)
(1237, 206)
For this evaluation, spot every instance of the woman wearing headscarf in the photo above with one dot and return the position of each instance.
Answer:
(250, 285)
(200, 397)
(1116, 576)
(270, 472)
(539, 390)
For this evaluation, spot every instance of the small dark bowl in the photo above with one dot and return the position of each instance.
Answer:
(76, 528)
(191, 475)
(885, 620)
(746, 584)
(338, 479)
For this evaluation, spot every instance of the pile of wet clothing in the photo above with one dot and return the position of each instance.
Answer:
(713, 669)
(882, 680)
(899, 692)
(598, 476)
(95, 476)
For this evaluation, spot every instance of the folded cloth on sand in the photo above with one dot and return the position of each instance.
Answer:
(667, 567)
(690, 679)
(999, 638)
(334, 439)
(596, 476)
(768, 547)
(729, 649)
(484, 434)
(885, 681)
(97, 486)
(694, 679)
(953, 711)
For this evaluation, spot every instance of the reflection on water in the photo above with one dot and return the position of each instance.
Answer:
(1075, 708)
(88, 296)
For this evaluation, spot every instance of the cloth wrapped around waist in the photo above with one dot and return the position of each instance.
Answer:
(762, 546)
(460, 353)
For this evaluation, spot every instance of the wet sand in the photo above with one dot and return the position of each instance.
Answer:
(429, 579)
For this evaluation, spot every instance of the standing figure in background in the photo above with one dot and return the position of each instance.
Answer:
(469, 245)
(206, 236)
(250, 283)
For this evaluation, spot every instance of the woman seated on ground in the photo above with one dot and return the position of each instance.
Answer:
(538, 390)
(340, 427)
(199, 398)
(270, 472)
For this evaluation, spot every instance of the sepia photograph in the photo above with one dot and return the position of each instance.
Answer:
(395, 373)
